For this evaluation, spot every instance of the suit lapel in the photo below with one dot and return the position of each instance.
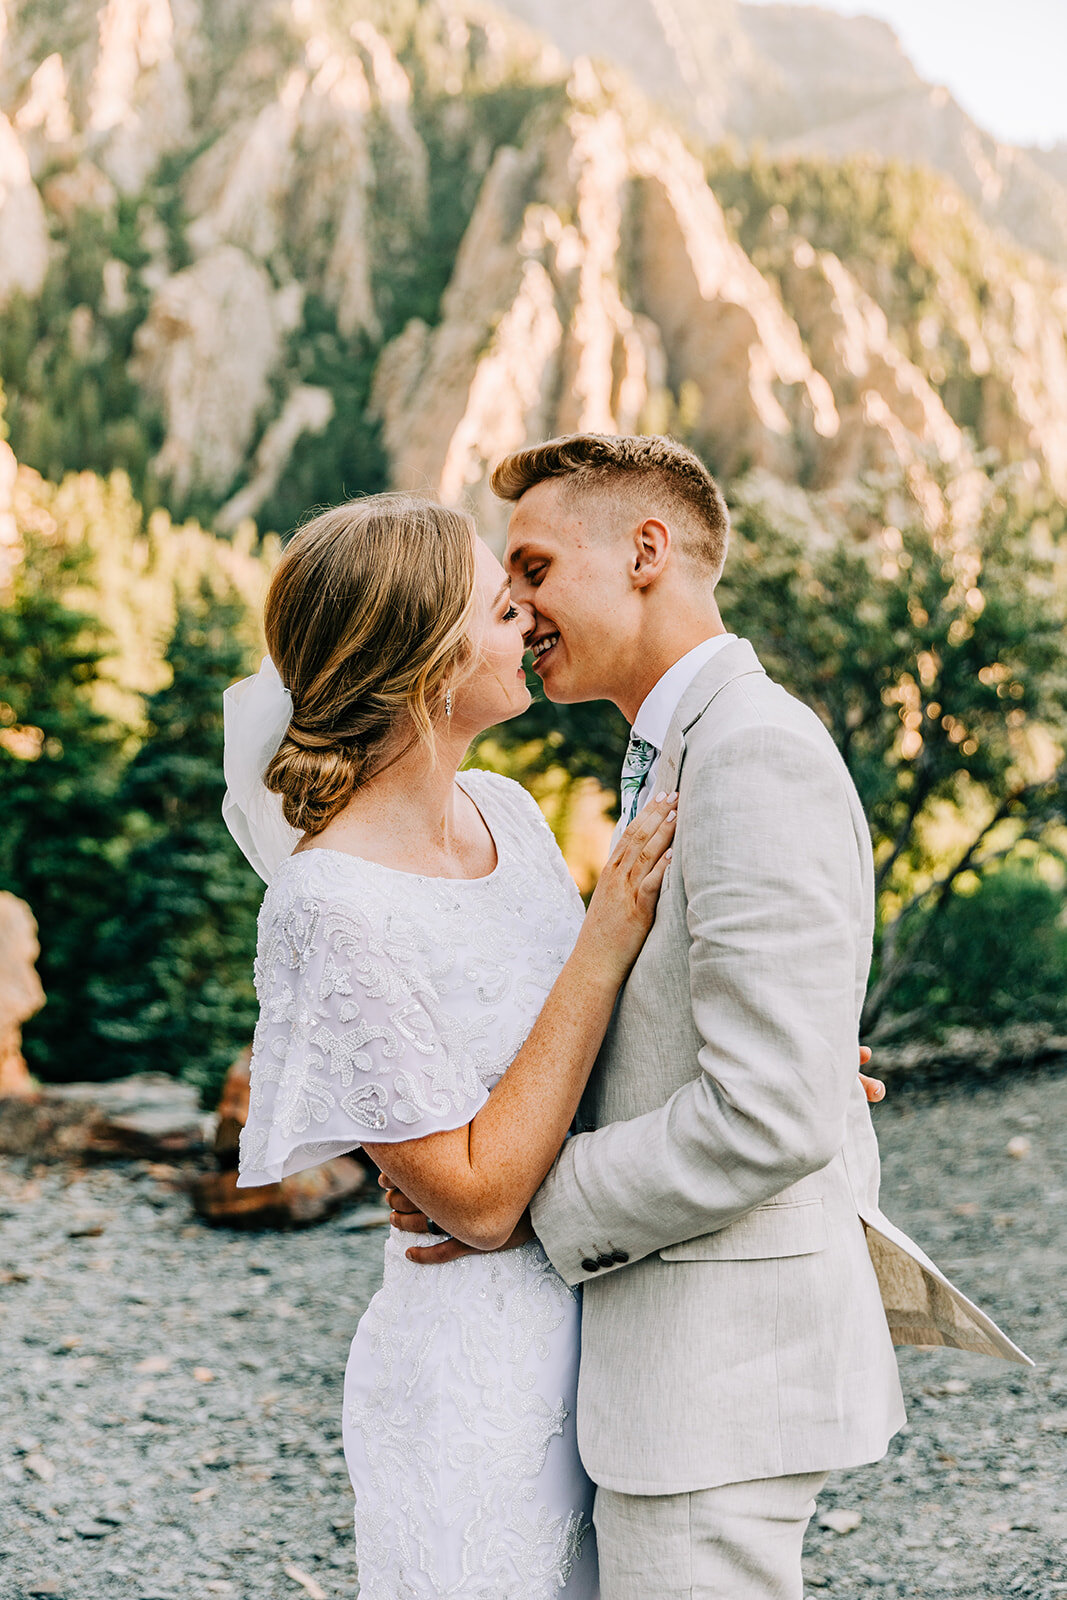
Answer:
(734, 661)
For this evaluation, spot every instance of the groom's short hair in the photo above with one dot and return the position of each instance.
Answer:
(636, 464)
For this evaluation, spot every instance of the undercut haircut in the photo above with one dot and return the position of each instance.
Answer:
(648, 469)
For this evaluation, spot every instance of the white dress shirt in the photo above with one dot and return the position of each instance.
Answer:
(663, 700)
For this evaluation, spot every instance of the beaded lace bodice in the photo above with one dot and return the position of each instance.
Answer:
(391, 1003)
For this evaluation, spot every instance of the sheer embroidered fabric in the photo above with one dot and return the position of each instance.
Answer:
(389, 1006)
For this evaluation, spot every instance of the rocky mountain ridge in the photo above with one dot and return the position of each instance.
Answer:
(804, 80)
(310, 248)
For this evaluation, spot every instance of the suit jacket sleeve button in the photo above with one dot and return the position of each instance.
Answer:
(589, 1265)
(619, 1257)
(605, 1261)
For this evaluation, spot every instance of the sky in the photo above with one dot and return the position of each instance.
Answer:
(1005, 61)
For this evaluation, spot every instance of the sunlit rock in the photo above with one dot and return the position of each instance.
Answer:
(24, 241)
(21, 994)
(205, 353)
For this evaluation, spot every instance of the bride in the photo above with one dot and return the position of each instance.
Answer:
(429, 990)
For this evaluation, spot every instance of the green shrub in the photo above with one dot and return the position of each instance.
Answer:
(996, 955)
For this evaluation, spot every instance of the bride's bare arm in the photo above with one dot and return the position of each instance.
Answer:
(476, 1181)
(409, 1218)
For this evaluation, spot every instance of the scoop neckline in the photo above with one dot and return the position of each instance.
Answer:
(399, 872)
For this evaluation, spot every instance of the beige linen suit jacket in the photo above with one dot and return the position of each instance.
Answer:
(742, 1289)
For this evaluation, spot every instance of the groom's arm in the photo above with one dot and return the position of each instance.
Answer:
(771, 875)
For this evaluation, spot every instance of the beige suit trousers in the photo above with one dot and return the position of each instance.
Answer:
(741, 1541)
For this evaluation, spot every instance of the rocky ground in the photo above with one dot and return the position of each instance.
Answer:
(170, 1422)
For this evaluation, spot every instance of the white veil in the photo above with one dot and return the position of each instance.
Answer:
(256, 713)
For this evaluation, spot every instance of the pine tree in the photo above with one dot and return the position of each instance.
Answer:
(175, 993)
(60, 826)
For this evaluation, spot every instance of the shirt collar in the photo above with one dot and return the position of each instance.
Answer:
(663, 700)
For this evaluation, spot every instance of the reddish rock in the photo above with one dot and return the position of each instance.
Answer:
(297, 1202)
(233, 1110)
(20, 992)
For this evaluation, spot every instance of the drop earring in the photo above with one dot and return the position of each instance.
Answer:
(448, 702)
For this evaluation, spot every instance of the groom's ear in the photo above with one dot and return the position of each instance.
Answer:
(651, 548)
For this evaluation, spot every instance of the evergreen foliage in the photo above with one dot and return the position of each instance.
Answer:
(64, 358)
(347, 457)
(60, 763)
(174, 991)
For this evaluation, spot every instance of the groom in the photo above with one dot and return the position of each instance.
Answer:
(719, 1202)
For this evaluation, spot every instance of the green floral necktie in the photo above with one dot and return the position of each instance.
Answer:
(640, 756)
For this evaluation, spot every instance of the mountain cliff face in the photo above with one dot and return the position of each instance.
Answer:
(804, 80)
(261, 256)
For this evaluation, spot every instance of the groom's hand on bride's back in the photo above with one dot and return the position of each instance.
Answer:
(873, 1088)
(405, 1215)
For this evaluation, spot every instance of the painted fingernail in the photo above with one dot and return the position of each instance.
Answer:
(671, 815)
(661, 796)
(667, 854)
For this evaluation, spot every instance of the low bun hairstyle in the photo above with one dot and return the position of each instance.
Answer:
(367, 620)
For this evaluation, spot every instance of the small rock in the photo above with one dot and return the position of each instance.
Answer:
(92, 1530)
(203, 1375)
(153, 1364)
(40, 1466)
(1019, 1147)
(369, 1216)
(840, 1520)
(306, 1581)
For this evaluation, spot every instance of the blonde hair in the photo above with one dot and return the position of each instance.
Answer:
(631, 464)
(367, 620)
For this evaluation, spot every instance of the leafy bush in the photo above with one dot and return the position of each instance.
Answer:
(994, 956)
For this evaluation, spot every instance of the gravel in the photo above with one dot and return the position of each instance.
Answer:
(170, 1427)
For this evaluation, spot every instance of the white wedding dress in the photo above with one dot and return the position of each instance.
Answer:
(390, 1005)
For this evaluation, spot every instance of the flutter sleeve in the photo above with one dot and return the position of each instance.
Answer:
(352, 1042)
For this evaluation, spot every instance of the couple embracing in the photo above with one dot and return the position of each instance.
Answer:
(640, 1128)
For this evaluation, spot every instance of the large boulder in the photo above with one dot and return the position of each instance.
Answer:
(148, 1116)
(297, 1202)
(20, 991)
